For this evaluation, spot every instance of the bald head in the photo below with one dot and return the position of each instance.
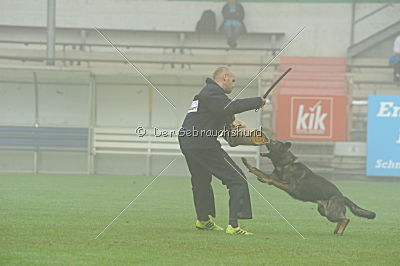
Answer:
(220, 72)
(225, 78)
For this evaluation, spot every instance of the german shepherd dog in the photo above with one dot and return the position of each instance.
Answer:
(301, 183)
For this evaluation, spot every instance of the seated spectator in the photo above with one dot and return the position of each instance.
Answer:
(395, 60)
(233, 25)
(207, 22)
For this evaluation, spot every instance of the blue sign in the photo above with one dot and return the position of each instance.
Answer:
(383, 158)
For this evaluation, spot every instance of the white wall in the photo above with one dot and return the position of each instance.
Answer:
(17, 104)
(63, 98)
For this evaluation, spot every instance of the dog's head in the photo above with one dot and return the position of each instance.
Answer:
(276, 149)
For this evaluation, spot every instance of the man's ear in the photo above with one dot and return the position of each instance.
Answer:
(287, 146)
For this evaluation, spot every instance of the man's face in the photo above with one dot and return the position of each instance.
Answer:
(229, 82)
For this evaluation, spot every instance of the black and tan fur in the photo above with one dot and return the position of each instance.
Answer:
(301, 183)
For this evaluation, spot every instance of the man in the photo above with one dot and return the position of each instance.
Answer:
(232, 26)
(210, 111)
(395, 60)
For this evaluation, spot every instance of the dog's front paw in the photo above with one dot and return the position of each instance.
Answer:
(262, 180)
(248, 166)
(251, 169)
(265, 180)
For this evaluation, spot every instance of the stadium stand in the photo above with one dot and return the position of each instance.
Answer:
(43, 139)
(80, 48)
(312, 76)
(109, 57)
(371, 76)
(155, 40)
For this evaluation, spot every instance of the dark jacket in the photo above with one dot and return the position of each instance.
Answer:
(207, 22)
(238, 15)
(210, 116)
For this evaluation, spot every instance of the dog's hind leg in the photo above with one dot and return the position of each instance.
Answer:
(336, 213)
(321, 207)
(341, 226)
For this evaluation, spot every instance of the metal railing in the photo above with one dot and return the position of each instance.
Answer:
(356, 21)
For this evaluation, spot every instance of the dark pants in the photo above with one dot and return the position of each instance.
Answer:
(232, 33)
(396, 71)
(394, 61)
(203, 163)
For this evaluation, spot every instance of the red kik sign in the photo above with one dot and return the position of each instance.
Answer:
(311, 117)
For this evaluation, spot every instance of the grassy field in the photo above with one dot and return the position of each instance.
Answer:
(53, 219)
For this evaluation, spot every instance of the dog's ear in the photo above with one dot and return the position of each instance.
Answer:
(287, 145)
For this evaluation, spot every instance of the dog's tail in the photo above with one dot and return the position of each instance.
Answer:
(356, 210)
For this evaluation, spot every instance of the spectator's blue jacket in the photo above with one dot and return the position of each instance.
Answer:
(233, 14)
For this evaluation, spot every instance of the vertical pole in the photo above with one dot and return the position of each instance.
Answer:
(150, 122)
(150, 106)
(51, 31)
(273, 43)
(93, 122)
(36, 88)
(148, 161)
(353, 18)
(90, 151)
(35, 154)
(260, 115)
(83, 35)
(83, 43)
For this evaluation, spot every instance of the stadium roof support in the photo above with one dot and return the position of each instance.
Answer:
(51, 31)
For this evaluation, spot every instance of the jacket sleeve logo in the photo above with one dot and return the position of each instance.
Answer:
(194, 106)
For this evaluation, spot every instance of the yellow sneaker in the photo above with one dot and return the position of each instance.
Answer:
(208, 225)
(237, 231)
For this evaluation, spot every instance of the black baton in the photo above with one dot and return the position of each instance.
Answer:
(275, 83)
